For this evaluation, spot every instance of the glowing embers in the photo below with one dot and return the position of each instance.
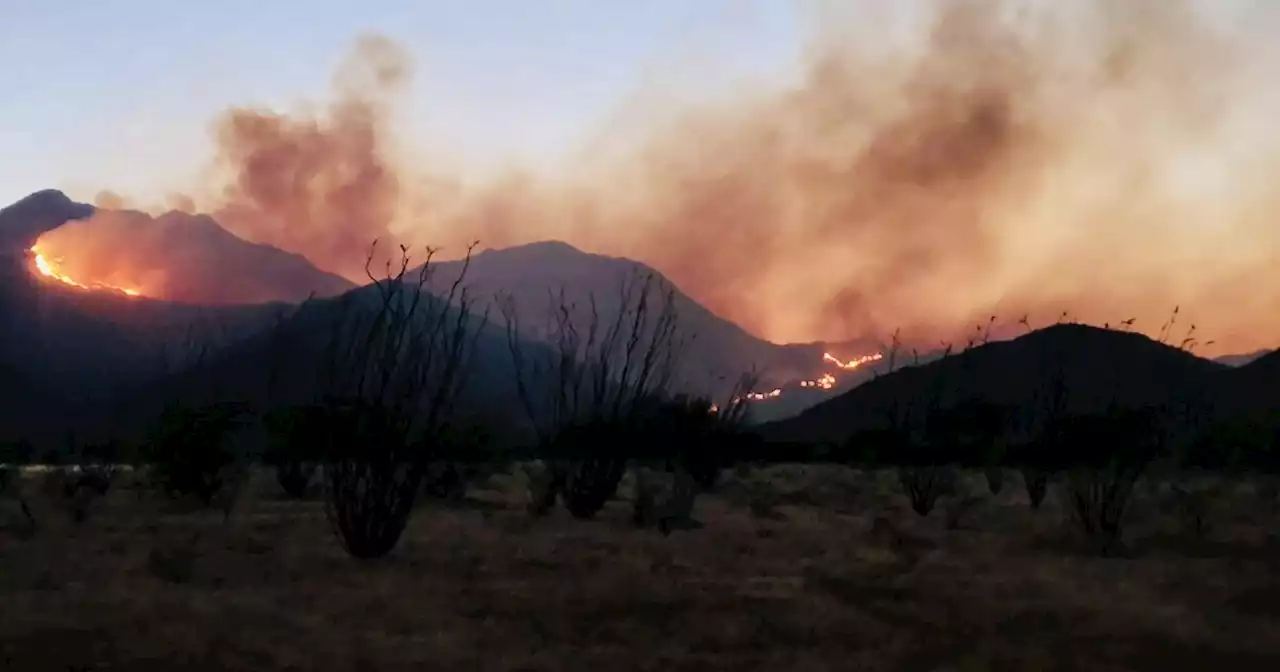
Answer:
(49, 269)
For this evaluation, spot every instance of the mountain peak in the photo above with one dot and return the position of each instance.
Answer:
(543, 250)
(24, 221)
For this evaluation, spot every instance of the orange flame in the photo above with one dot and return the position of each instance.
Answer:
(48, 270)
(851, 364)
(826, 381)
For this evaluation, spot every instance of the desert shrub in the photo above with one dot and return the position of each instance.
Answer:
(82, 487)
(1110, 451)
(1195, 495)
(926, 484)
(973, 432)
(693, 440)
(585, 393)
(392, 371)
(371, 476)
(466, 455)
(923, 469)
(191, 453)
(292, 449)
(1196, 502)
(1037, 465)
(585, 464)
(1036, 482)
(85, 478)
(12, 457)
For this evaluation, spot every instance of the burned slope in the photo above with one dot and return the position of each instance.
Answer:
(1096, 368)
(185, 258)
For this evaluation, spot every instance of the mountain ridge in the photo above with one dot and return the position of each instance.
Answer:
(1098, 367)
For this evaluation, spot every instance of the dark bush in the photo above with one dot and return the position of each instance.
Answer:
(191, 449)
(1110, 452)
(293, 447)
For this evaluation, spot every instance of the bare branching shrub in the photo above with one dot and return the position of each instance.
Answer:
(1036, 482)
(925, 472)
(1037, 449)
(1110, 452)
(393, 369)
(925, 484)
(586, 390)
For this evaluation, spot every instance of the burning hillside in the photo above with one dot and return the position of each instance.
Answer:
(177, 257)
(48, 269)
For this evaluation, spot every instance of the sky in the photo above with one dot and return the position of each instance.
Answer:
(119, 94)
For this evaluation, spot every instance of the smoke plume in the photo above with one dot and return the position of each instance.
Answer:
(940, 163)
(318, 185)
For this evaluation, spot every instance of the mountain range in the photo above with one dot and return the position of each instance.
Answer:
(66, 352)
(84, 346)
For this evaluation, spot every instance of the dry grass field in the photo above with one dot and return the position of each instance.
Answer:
(790, 572)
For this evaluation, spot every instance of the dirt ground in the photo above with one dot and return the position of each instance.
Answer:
(790, 572)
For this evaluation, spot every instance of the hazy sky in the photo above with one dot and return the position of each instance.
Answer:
(118, 94)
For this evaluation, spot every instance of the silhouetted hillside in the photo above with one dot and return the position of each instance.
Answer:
(1250, 392)
(1098, 367)
(531, 275)
(282, 364)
